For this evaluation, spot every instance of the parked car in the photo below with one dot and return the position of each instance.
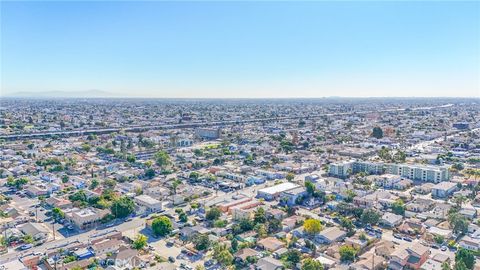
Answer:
(171, 259)
(408, 239)
(398, 236)
(26, 246)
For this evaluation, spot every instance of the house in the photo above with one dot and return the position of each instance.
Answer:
(126, 257)
(243, 254)
(290, 223)
(270, 244)
(436, 231)
(269, 263)
(275, 213)
(326, 261)
(431, 264)
(391, 220)
(35, 191)
(469, 213)
(15, 264)
(420, 205)
(469, 243)
(106, 246)
(412, 226)
(443, 189)
(36, 230)
(410, 255)
(330, 235)
(369, 261)
(403, 184)
(59, 202)
(189, 232)
(148, 204)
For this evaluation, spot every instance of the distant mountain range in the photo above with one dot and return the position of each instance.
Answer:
(63, 94)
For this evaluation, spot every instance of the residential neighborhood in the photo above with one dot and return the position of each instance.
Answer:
(382, 189)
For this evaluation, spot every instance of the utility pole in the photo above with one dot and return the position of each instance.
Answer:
(373, 258)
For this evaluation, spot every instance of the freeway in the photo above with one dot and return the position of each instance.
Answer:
(421, 146)
(73, 133)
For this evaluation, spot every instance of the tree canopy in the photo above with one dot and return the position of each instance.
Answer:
(122, 207)
(311, 264)
(162, 226)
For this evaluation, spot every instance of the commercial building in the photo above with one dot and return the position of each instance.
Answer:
(208, 133)
(274, 192)
(148, 204)
(87, 217)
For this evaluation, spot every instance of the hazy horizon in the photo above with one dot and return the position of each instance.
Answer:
(241, 49)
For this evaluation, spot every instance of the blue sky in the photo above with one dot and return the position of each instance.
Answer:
(242, 49)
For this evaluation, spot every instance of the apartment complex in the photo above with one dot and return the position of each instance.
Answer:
(425, 173)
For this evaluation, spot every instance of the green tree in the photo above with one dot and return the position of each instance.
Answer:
(183, 217)
(140, 241)
(259, 216)
(122, 207)
(57, 213)
(293, 256)
(162, 158)
(377, 132)
(465, 256)
(310, 187)
(162, 226)
(79, 196)
(370, 216)
(94, 184)
(261, 230)
(400, 156)
(27, 239)
(131, 158)
(274, 225)
(201, 242)
(234, 245)
(458, 223)
(290, 176)
(222, 255)
(312, 226)
(398, 207)
(149, 173)
(346, 223)
(350, 195)
(175, 185)
(213, 213)
(460, 265)
(64, 178)
(194, 175)
(311, 264)
(347, 253)
(458, 166)
(439, 239)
